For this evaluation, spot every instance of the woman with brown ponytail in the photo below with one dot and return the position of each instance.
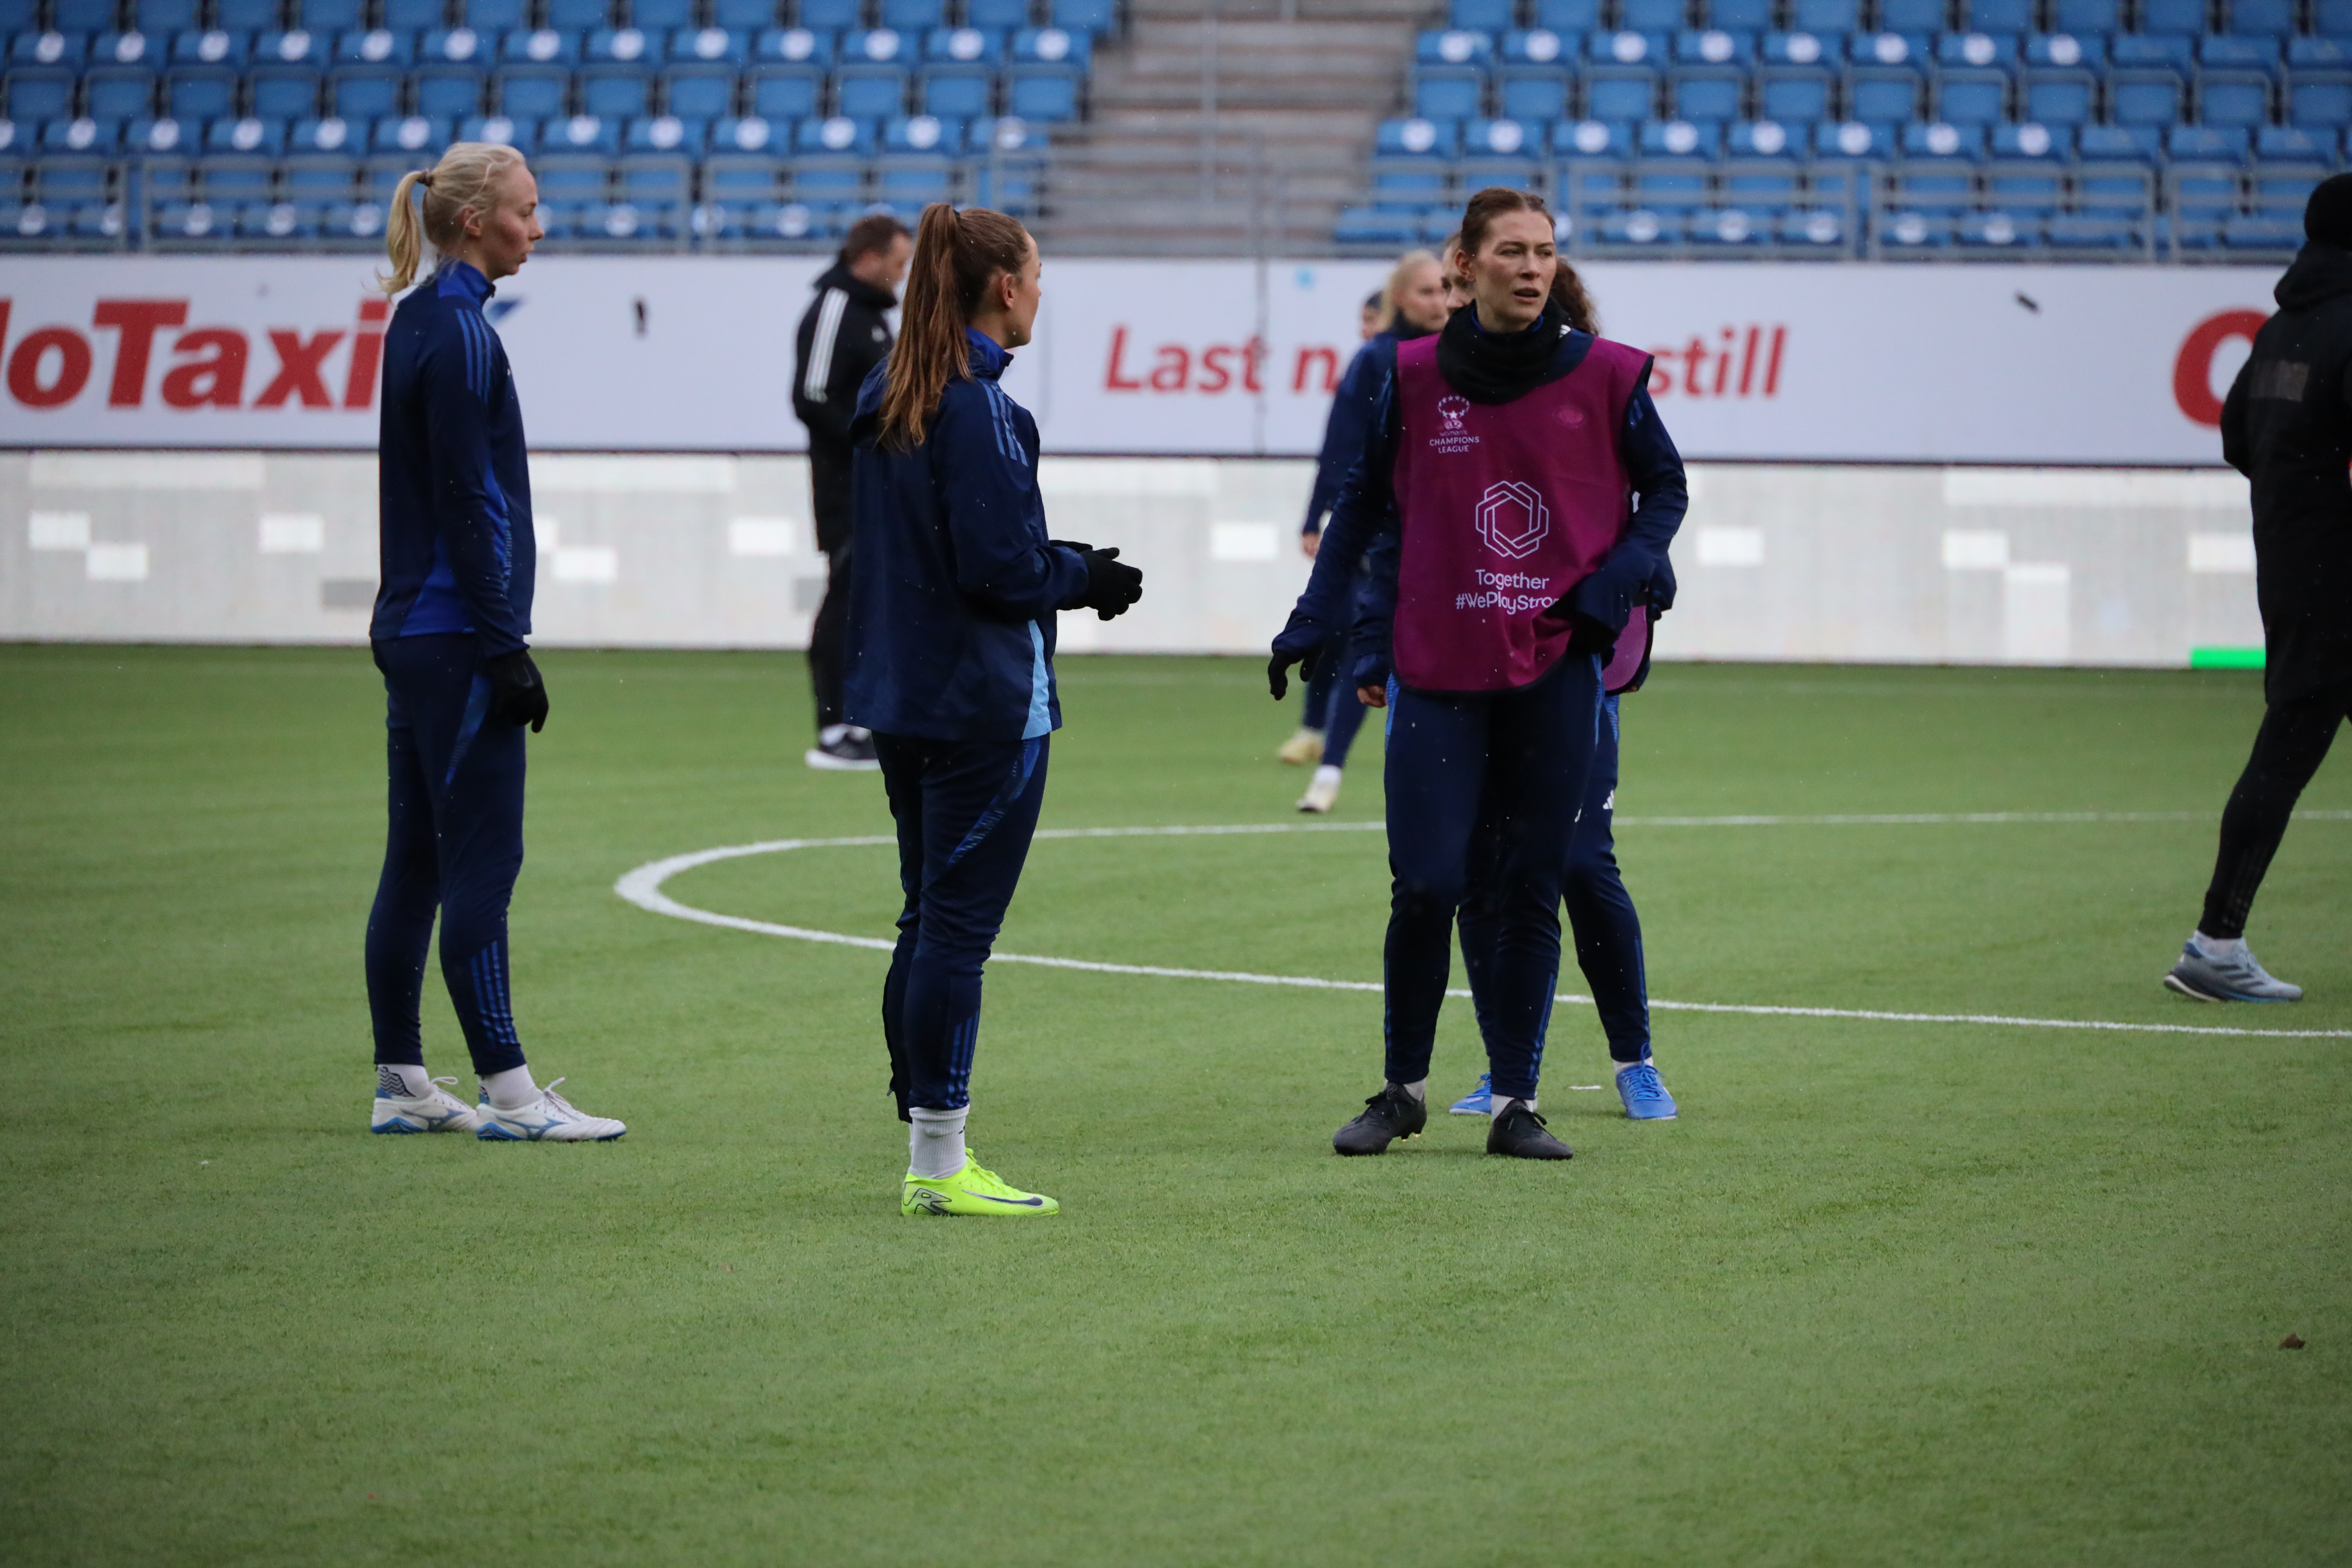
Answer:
(451, 618)
(950, 662)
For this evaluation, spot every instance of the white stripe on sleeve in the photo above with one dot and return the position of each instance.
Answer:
(820, 360)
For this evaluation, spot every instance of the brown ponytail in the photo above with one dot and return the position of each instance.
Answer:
(1568, 291)
(957, 256)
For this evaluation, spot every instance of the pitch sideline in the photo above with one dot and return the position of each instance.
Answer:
(643, 888)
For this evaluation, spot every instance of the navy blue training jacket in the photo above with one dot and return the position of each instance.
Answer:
(952, 599)
(453, 479)
(1364, 525)
(1354, 404)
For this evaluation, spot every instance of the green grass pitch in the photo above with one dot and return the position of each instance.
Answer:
(1887, 1293)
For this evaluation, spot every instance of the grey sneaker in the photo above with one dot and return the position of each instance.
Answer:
(2239, 979)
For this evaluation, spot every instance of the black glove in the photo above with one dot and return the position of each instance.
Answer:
(1302, 644)
(1591, 635)
(1112, 585)
(517, 694)
(1662, 587)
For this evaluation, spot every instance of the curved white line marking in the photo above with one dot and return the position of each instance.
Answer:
(643, 888)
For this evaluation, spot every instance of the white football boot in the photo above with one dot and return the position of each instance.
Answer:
(1322, 791)
(439, 1111)
(550, 1118)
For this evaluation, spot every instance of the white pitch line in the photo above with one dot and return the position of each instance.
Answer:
(643, 888)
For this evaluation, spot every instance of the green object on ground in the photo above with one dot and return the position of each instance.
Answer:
(1886, 1293)
(2227, 658)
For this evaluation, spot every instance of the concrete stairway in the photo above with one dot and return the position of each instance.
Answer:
(1225, 127)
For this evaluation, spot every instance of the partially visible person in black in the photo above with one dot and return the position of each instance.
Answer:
(2287, 425)
(842, 338)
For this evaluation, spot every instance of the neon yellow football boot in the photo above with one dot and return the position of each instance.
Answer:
(971, 1190)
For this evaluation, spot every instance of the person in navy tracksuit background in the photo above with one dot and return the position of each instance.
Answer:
(450, 635)
(949, 662)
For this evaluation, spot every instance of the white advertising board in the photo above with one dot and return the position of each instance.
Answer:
(2100, 366)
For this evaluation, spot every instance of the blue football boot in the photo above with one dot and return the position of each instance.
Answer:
(1645, 1097)
(1477, 1103)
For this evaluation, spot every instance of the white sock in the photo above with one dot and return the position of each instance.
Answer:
(1498, 1104)
(935, 1141)
(1326, 773)
(1623, 1067)
(832, 734)
(399, 1077)
(2220, 949)
(1419, 1089)
(510, 1089)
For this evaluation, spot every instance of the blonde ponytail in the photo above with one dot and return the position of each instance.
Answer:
(460, 183)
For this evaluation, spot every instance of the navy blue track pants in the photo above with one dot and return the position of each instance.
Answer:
(1482, 794)
(965, 812)
(455, 848)
(1599, 912)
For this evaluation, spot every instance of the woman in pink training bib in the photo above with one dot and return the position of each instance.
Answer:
(1500, 478)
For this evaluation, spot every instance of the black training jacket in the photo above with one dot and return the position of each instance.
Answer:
(842, 338)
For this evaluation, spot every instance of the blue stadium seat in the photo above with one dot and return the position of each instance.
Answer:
(582, 134)
(2296, 144)
(1792, 96)
(1448, 94)
(1972, 98)
(1915, 18)
(113, 94)
(1568, 17)
(1713, 47)
(2092, 18)
(1826, 19)
(661, 15)
(209, 48)
(785, 92)
(2058, 98)
(1536, 95)
(1455, 48)
(744, 16)
(837, 134)
(1762, 138)
(2207, 144)
(78, 136)
(1509, 139)
(2275, 17)
(2233, 101)
(1618, 95)
(1042, 93)
(530, 93)
(870, 92)
(914, 15)
(2319, 102)
(1977, 52)
(455, 49)
(375, 47)
(2182, 18)
(794, 45)
(1944, 141)
(923, 135)
(365, 92)
(1373, 226)
(283, 92)
(2144, 99)
(1738, 15)
(1416, 138)
(1680, 139)
(417, 136)
(2065, 51)
(1883, 97)
(2204, 198)
(2239, 55)
(580, 16)
(1539, 49)
(1913, 230)
(615, 93)
(1481, 16)
(881, 47)
(1088, 17)
(1406, 187)
(1796, 51)
(1052, 46)
(709, 46)
(621, 45)
(755, 136)
(247, 15)
(1652, 16)
(65, 50)
(82, 16)
(1001, 16)
(1593, 139)
(1911, 51)
(1853, 139)
(413, 15)
(333, 137)
(1626, 47)
(838, 16)
(329, 16)
(2007, 17)
(1707, 96)
(963, 46)
(957, 92)
(2332, 18)
(699, 92)
(2134, 144)
(2032, 139)
(451, 92)
(155, 16)
(190, 93)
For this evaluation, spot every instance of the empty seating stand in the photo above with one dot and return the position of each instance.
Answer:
(259, 124)
(2093, 130)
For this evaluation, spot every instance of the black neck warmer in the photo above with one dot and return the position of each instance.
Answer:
(1496, 367)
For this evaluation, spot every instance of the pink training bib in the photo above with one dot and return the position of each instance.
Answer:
(1504, 507)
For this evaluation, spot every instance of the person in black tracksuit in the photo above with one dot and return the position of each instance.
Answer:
(2287, 425)
(842, 336)
(950, 663)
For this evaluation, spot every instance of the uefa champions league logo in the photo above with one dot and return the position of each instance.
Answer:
(1451, 409)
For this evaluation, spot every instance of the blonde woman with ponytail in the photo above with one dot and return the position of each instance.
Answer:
(449, 636)
(951, 663)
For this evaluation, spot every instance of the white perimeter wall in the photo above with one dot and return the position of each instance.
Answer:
(1777, 561)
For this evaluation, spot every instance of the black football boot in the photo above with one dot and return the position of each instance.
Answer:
(1388, 1116)
(1520, 1132)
